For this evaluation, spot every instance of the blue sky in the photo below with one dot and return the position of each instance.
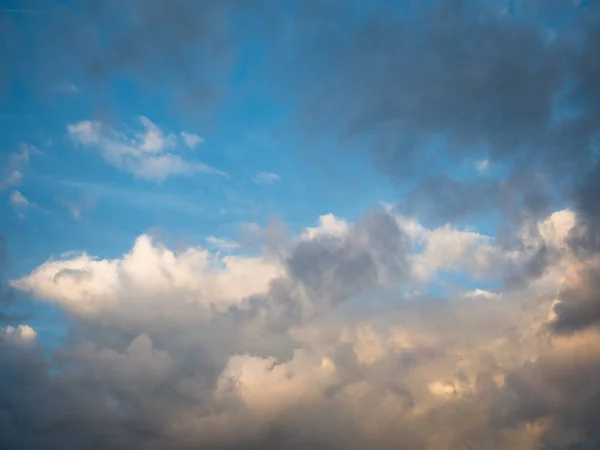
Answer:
(233, 215)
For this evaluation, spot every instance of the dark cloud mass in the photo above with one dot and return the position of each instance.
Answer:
(481, 83)
(423, 88)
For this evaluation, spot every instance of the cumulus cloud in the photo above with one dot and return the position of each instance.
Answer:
(150, 154)
(89, 285)
(21, 333)
(301, 349)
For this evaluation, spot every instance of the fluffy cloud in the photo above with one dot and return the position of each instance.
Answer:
(88, 285)
(150, 154)
(302, 349)
(22, 333)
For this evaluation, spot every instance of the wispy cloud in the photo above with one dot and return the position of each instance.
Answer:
(139, 198)
(18, 200)
(17, 162)
(77, 207)
(266, 177)
(482, 166)
(191, 140)
(150, 154)
(21, 204)
(222, 245)
(12, 179)
(67, 88)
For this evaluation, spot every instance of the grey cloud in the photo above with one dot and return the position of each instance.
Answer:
(476, 81)
(473, 83)
(329, 270)
(73, 274)
(192, 42)
(338, 268)
(117, 393)
(561, 388)
(579, 302)
(8, 296)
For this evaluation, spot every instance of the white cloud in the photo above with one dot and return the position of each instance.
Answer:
(266, 177)
(150, 154)
(22, 333)
(18, 200)
(448, 248)
(328, 225)
(482, 293)
(87, 285)
(191, 140)
(556, 228)
(482, 166)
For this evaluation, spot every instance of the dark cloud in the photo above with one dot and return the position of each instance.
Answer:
(578, 305)
(189, 47)
(337, 268)
(432, 88)
(8, 295)
(560, 388)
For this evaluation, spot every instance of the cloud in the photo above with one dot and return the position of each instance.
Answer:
(88, 285)
(19, 201)
(17, 163)
(191, 140)
(77, 207)
(186, 26)
(530, 113)
(140, 198)
(482, 166)
(21, 333)
(13, 179)
(149, 154)
(266, 177)
(67, 88)
(222, 245)
(193, 348)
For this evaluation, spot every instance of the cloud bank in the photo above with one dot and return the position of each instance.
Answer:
(305, 349)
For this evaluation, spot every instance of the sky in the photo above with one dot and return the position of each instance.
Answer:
(323, 224)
